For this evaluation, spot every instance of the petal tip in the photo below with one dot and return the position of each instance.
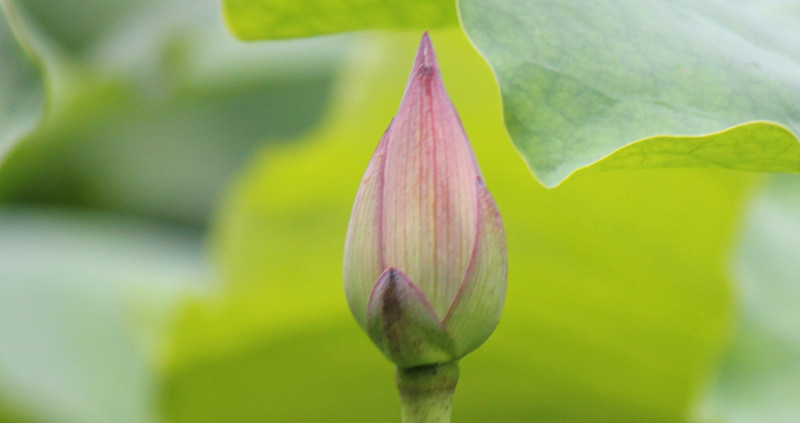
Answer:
(425, 62)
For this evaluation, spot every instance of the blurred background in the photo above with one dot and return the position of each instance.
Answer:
(171, 238)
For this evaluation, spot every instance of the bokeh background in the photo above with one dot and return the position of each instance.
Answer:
(171, 239)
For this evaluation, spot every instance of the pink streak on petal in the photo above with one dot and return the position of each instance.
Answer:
(429, 193)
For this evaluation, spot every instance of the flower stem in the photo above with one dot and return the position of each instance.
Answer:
(426, 392)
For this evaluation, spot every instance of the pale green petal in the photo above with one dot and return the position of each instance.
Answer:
(477, 309)
(362, 257)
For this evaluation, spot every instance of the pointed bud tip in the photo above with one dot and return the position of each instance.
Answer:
(425, 62)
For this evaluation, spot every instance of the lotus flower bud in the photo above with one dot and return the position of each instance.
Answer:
(425, 260)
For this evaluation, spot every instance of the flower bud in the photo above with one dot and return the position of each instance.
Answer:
(425, 260)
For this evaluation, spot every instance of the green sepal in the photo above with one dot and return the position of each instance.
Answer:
(403, 324)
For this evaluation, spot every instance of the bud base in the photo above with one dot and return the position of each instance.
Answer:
(426, 392)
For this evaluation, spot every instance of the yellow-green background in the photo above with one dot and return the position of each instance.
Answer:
(171, 241)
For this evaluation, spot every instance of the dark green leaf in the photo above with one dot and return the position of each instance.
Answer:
(155, 124)
(78, 25)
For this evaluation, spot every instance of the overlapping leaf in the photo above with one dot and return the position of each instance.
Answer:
(666, 80)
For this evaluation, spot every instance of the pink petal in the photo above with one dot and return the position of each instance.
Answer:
(429, 196)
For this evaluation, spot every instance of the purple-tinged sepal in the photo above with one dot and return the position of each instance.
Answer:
(402, 323)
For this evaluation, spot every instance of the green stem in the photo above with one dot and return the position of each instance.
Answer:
(426, 392)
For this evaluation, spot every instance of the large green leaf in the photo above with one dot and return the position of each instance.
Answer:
(271, 19)
(84, 299)
(21, 85)
(617, 302)
(582, 79)
(758, 381)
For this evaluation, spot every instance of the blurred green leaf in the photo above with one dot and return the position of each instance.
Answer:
(21, 84)
(665, 80)
(270, 19)
(83, 302)
(617, 303)
(77, 25)
(162, 112)
(758, 381)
